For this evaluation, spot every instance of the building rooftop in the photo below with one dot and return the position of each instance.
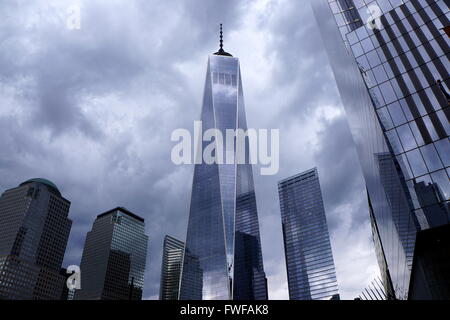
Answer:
(121, 209)
(46, 182)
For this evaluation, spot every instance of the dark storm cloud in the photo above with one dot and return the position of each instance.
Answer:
(93, 110)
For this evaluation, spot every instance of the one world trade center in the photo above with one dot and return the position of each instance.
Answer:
(223, 259)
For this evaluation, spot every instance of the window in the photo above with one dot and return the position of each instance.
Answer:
(431, 157)
(416, 162)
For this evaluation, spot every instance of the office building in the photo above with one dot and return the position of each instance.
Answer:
(113, 262)
(172, 260)
(390, 61)
(223, 258)
(33, 238)
(309, 260)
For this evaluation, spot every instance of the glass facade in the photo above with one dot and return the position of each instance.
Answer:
(113, 262)
(34, 230)
(223, 257)
(393, 80)
(309, 259)
(171, 268)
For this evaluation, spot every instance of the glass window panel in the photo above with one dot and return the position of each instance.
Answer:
(406, 110)
(436, 48)
(397, 90)
(397, 114)
(412, 61)
(441, 179)
(431, 157)
(444, 121)
(409, 83)
(362, 60)
(434, 102)
(373, 58)
(375, 41)
(362, 33)
(419, 104)
(398, 62)
(423, 81)
(377, 97)
(388, 92)
(367, 45)
(380, 74)
(352, 38)
(385, 118)
(406, 137)
(423, 53)
(388, 70)
(416, 162)
(357, 49)
(403, 44)
(405, 166)
(443, 148)
(416, 132)
(430, 128)
(394, 141)
(381, 54)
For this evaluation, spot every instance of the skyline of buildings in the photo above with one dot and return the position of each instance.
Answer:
(309, 258)
(399, 121)
(387, 69)
(223, 258)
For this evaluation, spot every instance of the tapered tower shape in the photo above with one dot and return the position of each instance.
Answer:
(223, 257)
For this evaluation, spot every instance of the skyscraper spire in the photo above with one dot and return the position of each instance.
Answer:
(222, 52)
(221, 38)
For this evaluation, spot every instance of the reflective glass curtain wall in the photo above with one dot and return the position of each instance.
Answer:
(309, 259)
(171, 268)
(397, 112)
(34, 230)
(223, 257)
(113, 262)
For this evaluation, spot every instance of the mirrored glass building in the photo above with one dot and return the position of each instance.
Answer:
(309, 259)
(113, 262)
(390, 59)
(223, 257)
(34, 230)
(172, 259)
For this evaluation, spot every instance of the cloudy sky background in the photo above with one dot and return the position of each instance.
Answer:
(93, 110)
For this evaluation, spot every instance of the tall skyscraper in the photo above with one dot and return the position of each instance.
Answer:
(309, 259)
(223, 257)
(34, 230)
(390, 61)
(171, 268)
(113, 262)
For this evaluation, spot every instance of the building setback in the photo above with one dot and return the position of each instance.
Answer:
(34, 230)
(309, 259)
(172, 260)
(391, 64)
(113, 262)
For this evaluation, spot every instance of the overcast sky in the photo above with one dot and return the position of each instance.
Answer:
(93, 110)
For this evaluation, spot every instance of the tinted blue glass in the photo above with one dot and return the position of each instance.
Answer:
(223, 257)
(309, 259)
